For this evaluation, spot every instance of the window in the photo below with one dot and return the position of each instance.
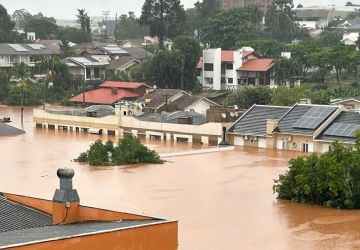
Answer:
(229, 66)
(305, 147)
(88, 74)
(230, 80)
(208, 67)
(96, 73)
(209, 80)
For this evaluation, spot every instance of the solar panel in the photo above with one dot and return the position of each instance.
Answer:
(18, 48)
(36, 46)
(115, 50)
(342, 129)
(313, 117)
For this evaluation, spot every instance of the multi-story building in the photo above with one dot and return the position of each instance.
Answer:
(29, 54)
(227, 69)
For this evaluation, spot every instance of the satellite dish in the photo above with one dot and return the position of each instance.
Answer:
(236, 114)
(223, 115)
(236, 107)
(232, 114)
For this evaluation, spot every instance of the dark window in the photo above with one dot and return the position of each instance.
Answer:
(230, 80)
(96, 73)
(305, 147)
(208, 67)
(88, 74)
(229, 66)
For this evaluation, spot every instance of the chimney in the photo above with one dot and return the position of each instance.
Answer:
(271, 125)
(66, 199)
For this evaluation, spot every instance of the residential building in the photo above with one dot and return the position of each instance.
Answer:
(7, 130)
(86, 68)
(230, 70)
(319, 17)
(303, 127)
(111, 92)
(215, 96)
(129, 118)
(124, 63)
(350, 103)
(350, 38)
(156, 100)
(193, 103)
(63, 223)
(26, 53)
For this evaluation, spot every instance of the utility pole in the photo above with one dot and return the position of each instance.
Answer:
(166, 101)
(106, 13)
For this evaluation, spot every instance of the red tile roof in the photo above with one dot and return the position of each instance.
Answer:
(103, 96)
(261, 65)
(122, 85)
(200, 63)
(227, 55)
(247, 53)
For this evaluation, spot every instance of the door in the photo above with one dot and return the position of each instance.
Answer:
(262, 143)
(280, 144)
(239, 141)
(305, 147)
(311, 147)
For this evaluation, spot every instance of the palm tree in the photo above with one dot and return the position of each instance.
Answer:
(22, 72)
(49, 64)
(84, 20)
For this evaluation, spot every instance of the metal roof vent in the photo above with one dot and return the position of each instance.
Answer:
(66, 193)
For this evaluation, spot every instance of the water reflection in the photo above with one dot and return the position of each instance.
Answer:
(222, 200)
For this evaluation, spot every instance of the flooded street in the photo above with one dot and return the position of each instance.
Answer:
(223, 200)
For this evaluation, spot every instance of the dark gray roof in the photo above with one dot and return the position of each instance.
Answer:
(117, 63)
(26, 236)
(198, 119)
(253, 122)
(6, 49)
(14, 216)
(185, 101)
(286, 124)
(346, 117)
(6, 129)
(311, 13)
(158, 97)
(138, 53)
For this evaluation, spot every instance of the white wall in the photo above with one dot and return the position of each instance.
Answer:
(200, 106)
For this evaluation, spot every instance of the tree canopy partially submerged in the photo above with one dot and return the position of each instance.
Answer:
(331, 179)
(129, 150)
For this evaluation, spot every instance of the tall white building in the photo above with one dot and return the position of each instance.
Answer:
(227, 69)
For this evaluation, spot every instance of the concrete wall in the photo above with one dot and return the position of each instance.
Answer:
(200, 106)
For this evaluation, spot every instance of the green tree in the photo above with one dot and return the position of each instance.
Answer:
(4, 86)
(284, 96)
(22, 72)
(265, 48)
(49, 64)
(166, 18)
(249, 96)
(129, 27)
(190, 48)
(302, 54)
(43, 28)
(280, 20)
(6, 26)
(21, 18)
(229, 26)
(165, 69)
(285, 69)
(84, 20)
(66, 50)
(330, 38)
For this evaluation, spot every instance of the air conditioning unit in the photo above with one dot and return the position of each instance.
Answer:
(289, 138)
(293, 145)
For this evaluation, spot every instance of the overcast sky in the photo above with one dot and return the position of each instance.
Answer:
(66, 9)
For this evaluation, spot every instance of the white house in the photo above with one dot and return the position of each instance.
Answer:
(227, 69)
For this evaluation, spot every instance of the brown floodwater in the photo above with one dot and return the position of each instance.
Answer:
(223, 200)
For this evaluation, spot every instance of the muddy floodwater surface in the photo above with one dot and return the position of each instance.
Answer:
(223, 200)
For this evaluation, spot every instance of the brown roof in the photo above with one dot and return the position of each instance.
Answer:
(158, 97)
(257, 65)
(121, 61)
(227, 55)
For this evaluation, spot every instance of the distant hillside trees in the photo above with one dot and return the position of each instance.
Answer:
(129, 27)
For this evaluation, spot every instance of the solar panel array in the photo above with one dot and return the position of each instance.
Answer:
(313, 117)
(18, 48)
(342, 129)
(36, 46)
(115, 50)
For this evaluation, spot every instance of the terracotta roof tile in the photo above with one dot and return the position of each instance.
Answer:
(104, 96)
(227, 55)
(121, 85)
(257, 65)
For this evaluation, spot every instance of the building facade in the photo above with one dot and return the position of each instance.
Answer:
(230, 70)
